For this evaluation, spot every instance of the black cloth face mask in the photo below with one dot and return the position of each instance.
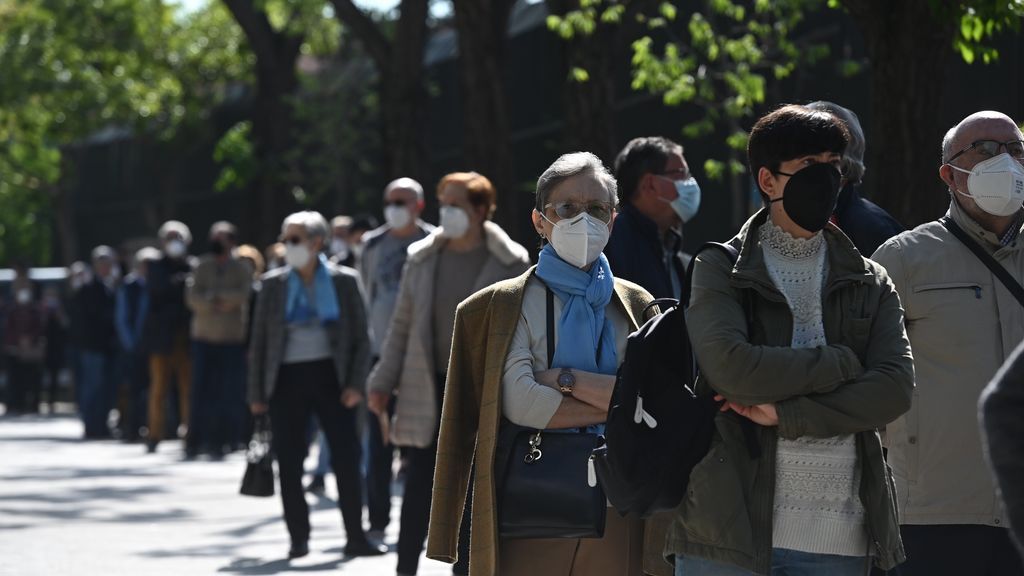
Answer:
(810, 196)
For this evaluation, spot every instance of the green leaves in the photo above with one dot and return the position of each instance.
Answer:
(980, 22)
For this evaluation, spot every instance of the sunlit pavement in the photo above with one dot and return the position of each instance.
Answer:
(106, 508)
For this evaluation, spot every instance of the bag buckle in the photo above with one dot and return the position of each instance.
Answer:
(534, 454)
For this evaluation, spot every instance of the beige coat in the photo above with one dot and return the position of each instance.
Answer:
(406, 363)
(229, 283)
(484, 326)
(963, 324)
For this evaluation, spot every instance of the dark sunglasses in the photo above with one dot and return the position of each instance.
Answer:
(566, 210)
(394, 202)
(293, 240)
(990, 149)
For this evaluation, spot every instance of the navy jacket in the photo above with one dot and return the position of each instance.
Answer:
(863, 221)
(636, 253)
(96, 303)
(168, 317)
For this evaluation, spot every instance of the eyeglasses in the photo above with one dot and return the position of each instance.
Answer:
(566, 210)
(673, 174)
(394, 202)
(990, 148)
(293, 240)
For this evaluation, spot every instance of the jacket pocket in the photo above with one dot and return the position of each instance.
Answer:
(971, 287)
(913, 440)
(714, 511)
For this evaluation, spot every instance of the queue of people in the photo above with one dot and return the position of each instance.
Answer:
(847, 357)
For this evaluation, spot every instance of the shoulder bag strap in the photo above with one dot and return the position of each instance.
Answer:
(998, 269)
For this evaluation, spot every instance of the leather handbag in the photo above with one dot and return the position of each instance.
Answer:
(547, 486)
(259, 470)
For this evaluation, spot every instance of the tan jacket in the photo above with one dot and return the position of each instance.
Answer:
(229, 284)
(963, 324)
(407, 354)
(484, 326)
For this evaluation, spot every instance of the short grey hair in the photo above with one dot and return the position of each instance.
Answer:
(573, 164)
(947, 143)
(176, 227)
(853, 156)
(405, 184)
(103, 252)
(313, 222)
(148, 254)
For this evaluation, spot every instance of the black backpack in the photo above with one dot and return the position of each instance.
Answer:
(658, 429)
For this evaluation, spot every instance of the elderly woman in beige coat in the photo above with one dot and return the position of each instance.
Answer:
(466, 253)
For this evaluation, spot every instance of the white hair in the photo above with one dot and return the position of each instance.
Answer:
(175, 226)
(569, 165)
(148, 254)
(853, 156)
(313, 222)
(405, 184)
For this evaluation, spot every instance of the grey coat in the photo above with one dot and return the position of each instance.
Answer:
(349, 336)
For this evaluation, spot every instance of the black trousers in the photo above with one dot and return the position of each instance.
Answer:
(378, 472)
(302, 390)
(419, 486)
(958, 550)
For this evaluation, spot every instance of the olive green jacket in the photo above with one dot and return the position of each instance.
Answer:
(862, 380)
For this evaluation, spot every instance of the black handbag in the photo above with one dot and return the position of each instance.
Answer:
(259, 472)
(547, 487)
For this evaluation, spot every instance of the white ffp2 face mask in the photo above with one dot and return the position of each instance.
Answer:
(397, 216)
(579, 240)
(996, 185)
(454, 222)
(297, 255)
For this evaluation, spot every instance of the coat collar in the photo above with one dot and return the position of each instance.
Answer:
(964, 220)
(845, 262)
(498, 243)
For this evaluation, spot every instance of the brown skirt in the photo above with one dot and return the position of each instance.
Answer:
(619, 553)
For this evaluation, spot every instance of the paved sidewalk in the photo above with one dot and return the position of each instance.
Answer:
(69, 507)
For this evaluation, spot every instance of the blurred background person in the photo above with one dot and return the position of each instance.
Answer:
(867, 224)
(24, 345)
(99, 347)
(340, 249)
(467, 253)
(166, 331)
(79, 274)
(218, 295)
(274, 255)
(659, 195)
(57, 323)
(309, 354)
(381, 265)
(132, 305)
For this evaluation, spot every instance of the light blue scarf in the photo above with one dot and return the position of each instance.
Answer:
(586, 338)
(298, 309)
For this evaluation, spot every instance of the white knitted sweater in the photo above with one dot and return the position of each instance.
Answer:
(817, 480)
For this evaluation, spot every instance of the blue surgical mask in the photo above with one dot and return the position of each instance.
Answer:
(687, 202)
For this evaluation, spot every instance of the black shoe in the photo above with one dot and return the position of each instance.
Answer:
(316, 485)
(364, 548)
(298, 550)
(150, 446)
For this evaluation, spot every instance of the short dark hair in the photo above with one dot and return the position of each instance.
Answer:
(642, 156)
(790, 132)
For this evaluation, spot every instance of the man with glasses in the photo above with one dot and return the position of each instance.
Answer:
(381, 268)
(658, 196)
(963, 322)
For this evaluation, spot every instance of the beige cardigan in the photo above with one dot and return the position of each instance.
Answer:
(406, 363)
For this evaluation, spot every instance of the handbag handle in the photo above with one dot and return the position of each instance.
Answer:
(995, 267)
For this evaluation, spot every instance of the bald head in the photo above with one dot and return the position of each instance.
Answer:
(405, 184)
(984, 125)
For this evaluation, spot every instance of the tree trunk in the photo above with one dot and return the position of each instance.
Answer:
(589, 105)
(400, 65)
(272, 121)
(482, 28)
(910, 45)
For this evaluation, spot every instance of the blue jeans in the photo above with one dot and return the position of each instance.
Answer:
(96, 391)
(784, 563)
(218, 400)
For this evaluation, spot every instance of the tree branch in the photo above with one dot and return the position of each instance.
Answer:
(365, 29)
